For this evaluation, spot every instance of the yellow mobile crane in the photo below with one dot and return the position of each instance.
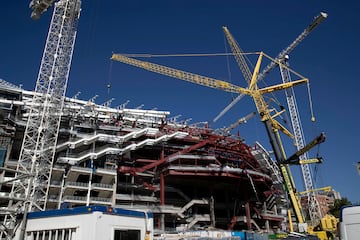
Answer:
(271, 124)
(317, 217)
(314, 210)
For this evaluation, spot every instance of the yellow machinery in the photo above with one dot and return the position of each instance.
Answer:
(301, 157)
(326, 228)
(327, 225)
(323, 189)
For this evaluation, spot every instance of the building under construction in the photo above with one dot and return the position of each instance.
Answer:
(189, 176)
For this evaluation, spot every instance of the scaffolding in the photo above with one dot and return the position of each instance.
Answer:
(190, 176)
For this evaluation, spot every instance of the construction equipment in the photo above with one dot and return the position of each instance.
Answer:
(300, 157)
(326, 226)
(314, 208)
(295, 158)
(238, 122)
(34, 168)
(274, 138)
(323, 189)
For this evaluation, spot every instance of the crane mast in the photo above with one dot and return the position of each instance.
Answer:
(34, 168)
(313, 204)
(271, 131)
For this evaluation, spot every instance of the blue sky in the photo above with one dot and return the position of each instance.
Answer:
(328, 57)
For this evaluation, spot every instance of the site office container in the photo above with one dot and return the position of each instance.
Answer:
(350, 223)
(90, 223)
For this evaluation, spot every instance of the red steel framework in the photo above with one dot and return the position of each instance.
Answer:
(205, 159)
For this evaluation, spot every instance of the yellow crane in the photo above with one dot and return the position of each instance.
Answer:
(238, 122)
(322, 189)
(272, 125)
(300, 157)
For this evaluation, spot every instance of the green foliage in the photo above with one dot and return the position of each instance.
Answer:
(338, 203)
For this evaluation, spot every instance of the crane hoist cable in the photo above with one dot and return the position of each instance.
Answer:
(149, 55)
(307, 86)
(109, 79)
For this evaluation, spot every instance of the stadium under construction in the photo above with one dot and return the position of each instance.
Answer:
(190, 177)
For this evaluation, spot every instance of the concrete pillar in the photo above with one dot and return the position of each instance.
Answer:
(162, 201)
(248, 216)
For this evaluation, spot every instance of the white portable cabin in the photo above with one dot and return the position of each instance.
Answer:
(90, 223)
(350, 223)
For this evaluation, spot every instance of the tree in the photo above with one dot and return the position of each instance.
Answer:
(338, 203)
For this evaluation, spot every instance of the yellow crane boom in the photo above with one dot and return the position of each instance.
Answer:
(323, 189)
(253, 90)
(186, 76)
(239, 55)
(240, 59)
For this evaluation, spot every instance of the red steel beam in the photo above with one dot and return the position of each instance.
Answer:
(124, 169)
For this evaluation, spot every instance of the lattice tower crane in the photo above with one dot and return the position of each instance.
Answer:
(313, 204)
(315, 212)
(272, 125)
(34, 168)
(285, 169)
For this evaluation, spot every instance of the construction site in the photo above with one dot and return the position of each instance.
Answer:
(140, 159)
(61, 152)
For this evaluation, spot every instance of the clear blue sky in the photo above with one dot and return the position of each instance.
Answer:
(328, 57)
